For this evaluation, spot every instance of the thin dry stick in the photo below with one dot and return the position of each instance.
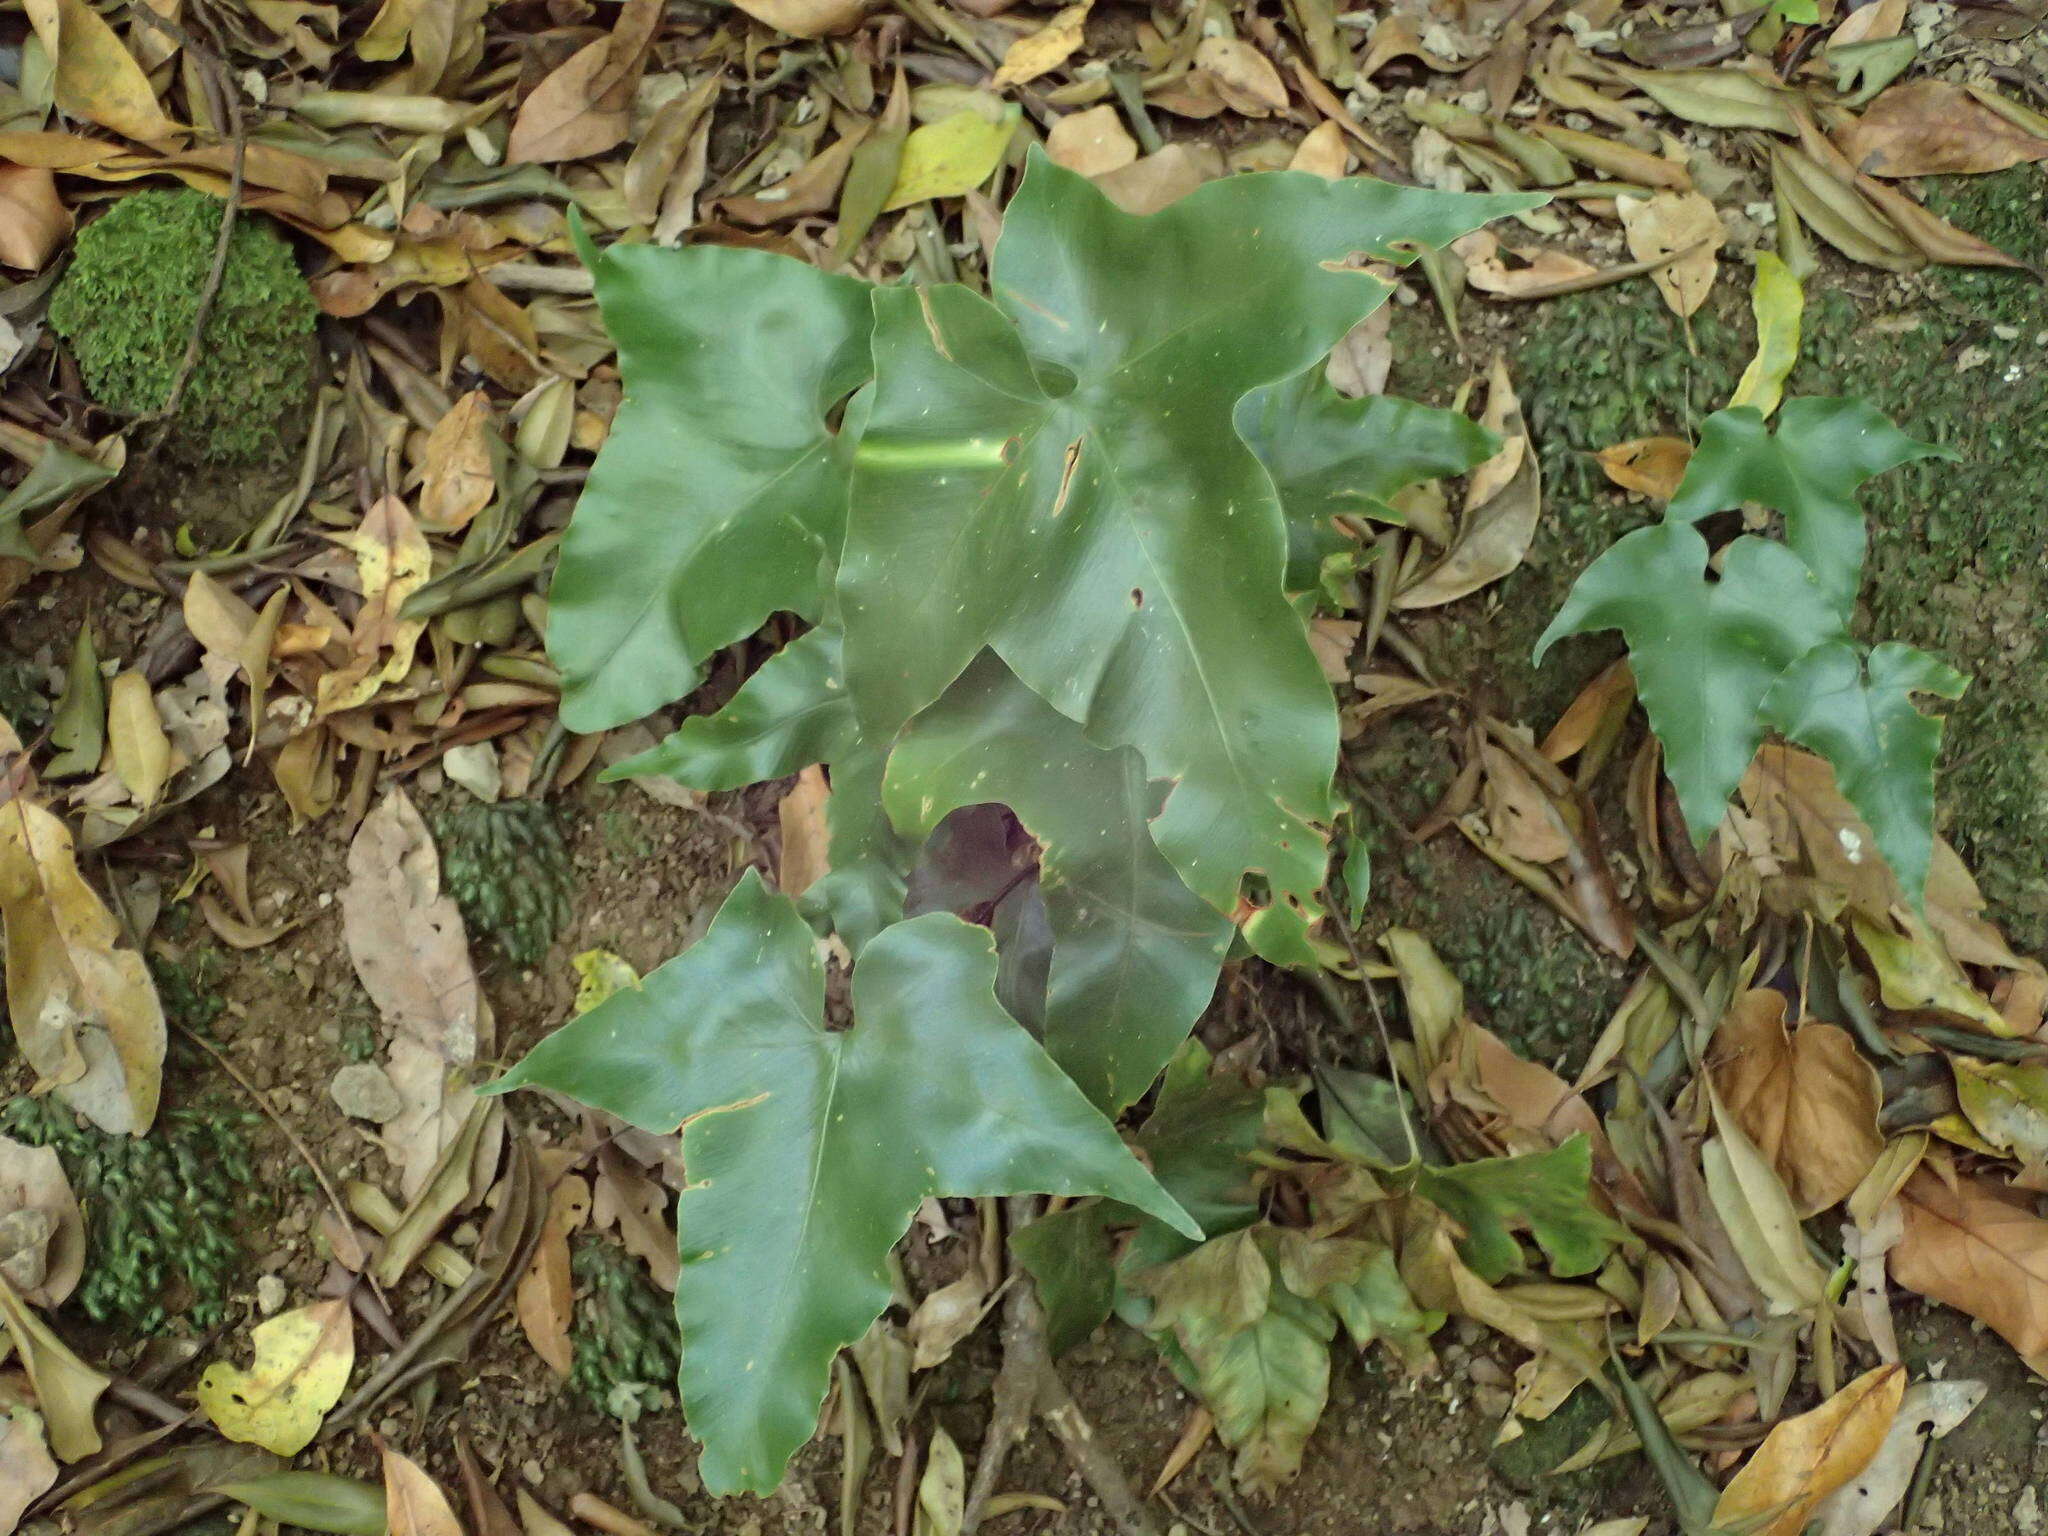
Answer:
(1029, 1382)
(305, 1153)
(209, 291)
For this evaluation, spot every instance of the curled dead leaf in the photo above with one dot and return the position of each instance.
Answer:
(1652, 466)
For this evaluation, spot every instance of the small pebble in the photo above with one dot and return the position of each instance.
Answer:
(270, 1294)
(364, 1092)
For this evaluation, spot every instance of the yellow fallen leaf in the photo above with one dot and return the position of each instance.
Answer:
(1777, 300)
(1091, 142)
(1047, 48)
(806, 18)
(142, 752)
(806, 833)
(33, 221)
(413, 1502)
(459, 480)
(1651, 465)
(600, 973)
(96, 78)
(393, 562)
(303, 1359)
(950, 157)
(1805, 1459)
(84, 1011)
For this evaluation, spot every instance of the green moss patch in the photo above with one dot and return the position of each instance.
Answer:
(128, 302)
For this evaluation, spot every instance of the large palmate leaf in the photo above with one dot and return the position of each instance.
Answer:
(1135, 952)
(1809, 469)
(1331, 456)
(718, 499)
(1705, 650)
(1858, 712)
(808, 1149)
(1055, 475)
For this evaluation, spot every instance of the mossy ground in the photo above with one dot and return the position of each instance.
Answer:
(128, 302)
(163, 1212)
(507, 866)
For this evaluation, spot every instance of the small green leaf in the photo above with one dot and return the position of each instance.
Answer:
(809, 1149)
(720, 497)
(1858, 712)
(862, 893)
(57, 473)
(791, 713)
(1330, 456)
(1548, 1193)
(1360, 1281)
(1068, 1255)
(79, 727)
(1809, 470)
(1705, 651)
(1135, 952)
(313, 1501)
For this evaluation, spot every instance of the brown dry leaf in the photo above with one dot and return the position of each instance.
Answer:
(1518, 810)
(414, 1504)
(1805, 1459)
(85, 1012)
(1538, 272)
(1805, 1096)
(1934, 128)
(1244, 77)
(66, 1388)
(459, 481)
(812, 188)
(95, 77)
(1161, 178)
(1651, 466)
(1870, 23)
(1974, 1245)
(806, 18)
(1333, 641)
(141, 750)
(625, 1198)
(42, 1233)
(806, 833)
(1091, 143)
(1613, 689)
(1046, 49)
(27, 1470)
(945, 1317)
(1621, 161)
(1666, 224)
(405, 934)
(584, 108)
(1322, 153)
(546, 1299)
(1928, 232)
(33, 223)
(1494, 533)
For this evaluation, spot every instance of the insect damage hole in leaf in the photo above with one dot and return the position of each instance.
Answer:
(1045, 542)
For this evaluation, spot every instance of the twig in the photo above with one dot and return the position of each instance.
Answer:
(305, 1153)
(1028, 1381)
(209, 291)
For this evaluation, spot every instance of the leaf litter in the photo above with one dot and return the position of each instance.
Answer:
(400, 618)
